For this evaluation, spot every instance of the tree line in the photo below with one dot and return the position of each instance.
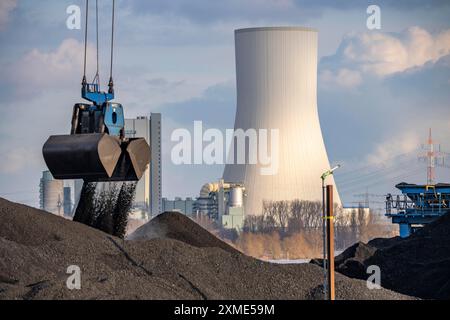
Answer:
(289, 218)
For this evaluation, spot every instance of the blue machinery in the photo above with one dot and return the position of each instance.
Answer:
(418, 205)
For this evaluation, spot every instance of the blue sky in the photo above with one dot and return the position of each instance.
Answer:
(379, 91)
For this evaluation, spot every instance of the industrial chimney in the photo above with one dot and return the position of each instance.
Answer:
(276, 75)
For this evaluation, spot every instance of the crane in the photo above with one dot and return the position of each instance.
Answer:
(96, 150)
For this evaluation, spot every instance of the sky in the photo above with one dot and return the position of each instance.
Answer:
(379, 91)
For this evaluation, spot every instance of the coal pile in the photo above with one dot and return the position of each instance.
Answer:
(417, 266)
(174, 225)
(36, 248)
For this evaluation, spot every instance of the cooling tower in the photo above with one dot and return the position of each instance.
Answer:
(276, 76)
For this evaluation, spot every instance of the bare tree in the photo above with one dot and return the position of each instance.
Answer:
(269, 223)
(282, 213)
(296, 221)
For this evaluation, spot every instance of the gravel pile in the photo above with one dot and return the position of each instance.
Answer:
(417, 266)
(174, 225)
(36, 248)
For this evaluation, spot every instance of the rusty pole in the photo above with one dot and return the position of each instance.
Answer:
(324, 242)
(330, 240)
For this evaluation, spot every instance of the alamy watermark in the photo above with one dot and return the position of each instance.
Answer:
(73, 21)
(374, 280)
(252, 146)
(74, 280)
(374, 19)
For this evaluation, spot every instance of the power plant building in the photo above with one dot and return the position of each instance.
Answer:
(68, 204)
(223, 202)
(148, 190)
(276, 78)
(51, 194)
(185, 206)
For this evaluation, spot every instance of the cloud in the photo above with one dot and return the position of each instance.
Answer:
(404, 143)
(216, 109)
(6, 6)
(16, 159)
(60, 66)
(384, 54)
(398, 4)
(344, 78)
(150, 91)
(163, 83)
(207, 11)
(402, 83)
(169, 52)
(42, 88)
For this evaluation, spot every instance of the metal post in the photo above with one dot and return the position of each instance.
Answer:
(324, 235)
(330, 246)
(324, 227)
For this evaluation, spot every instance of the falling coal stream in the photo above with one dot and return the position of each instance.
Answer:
(105, 206)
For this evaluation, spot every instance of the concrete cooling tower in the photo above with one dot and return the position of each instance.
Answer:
(276, 76)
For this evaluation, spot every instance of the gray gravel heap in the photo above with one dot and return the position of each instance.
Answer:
(418, 265)
(36, 249)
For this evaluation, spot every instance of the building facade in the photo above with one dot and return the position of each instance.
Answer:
(68, 204)
(148, 190)
(184, 206)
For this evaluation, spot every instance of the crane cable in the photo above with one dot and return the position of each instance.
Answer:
(112, 42)
(85, 41)
(97, 75)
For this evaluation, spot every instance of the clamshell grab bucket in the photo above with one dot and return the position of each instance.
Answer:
(96, 157)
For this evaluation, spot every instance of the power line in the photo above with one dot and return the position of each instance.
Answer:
(381, 180)
(354, 170)
(382, 177)
(434, 158)
(389, 168)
